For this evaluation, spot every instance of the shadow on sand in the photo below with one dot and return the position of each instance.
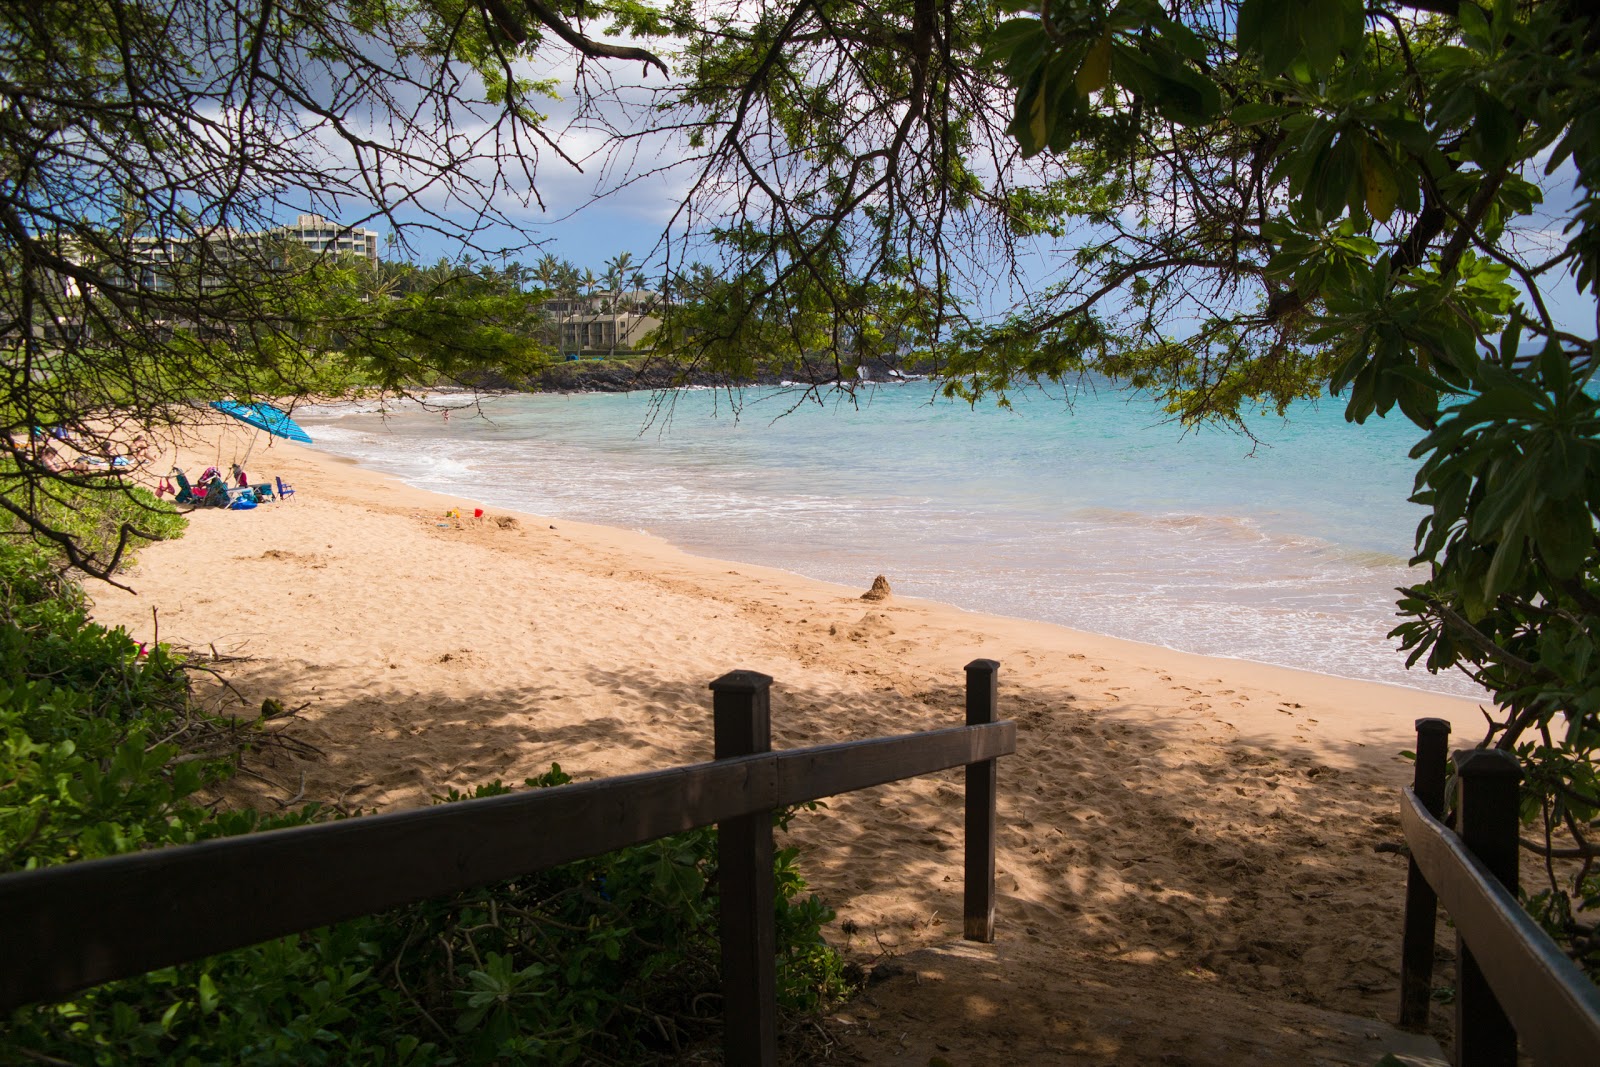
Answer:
(1151, 862)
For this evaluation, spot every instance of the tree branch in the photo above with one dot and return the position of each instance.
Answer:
(556, 24)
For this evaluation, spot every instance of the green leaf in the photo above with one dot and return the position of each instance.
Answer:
(1378, 180)
(1038, 126)
(208, 994)
(1494, 133)
(1555, 368)
(1474, 26)
(1256, 112)
(1096, 69)
(1565, 536)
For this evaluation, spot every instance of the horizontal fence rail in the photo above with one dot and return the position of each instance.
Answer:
(1551, 1002)
(66, 928)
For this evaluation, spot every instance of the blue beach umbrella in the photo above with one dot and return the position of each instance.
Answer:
(263, 417)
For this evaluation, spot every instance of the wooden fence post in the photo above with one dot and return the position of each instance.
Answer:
(741, 708)
(1487, 820)
(1422, 903)
(977, 905)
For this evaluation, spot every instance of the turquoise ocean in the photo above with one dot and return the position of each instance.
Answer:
(1089, 508)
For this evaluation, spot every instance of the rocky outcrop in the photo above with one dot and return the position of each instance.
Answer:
(622, 374)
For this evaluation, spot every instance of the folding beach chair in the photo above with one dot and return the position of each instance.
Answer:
(185, 493)
(285, 490)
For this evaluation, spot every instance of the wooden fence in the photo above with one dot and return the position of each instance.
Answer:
(70, 927)
(1512, 980)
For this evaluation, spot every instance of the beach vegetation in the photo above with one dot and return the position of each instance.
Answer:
(80, 511)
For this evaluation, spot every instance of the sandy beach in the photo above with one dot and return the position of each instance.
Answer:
(1195, 854)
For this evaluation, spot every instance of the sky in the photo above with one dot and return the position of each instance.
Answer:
(604, 198)
(610, 199)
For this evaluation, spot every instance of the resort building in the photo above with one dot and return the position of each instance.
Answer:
(609, 322)
(321, 235)
(624, 332)
(208, 253)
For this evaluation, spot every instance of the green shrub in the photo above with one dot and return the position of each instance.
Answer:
(608, 960)
(93, 515)
(81, 707)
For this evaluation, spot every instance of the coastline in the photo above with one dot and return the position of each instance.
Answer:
(1274, 556)
(1201, 824)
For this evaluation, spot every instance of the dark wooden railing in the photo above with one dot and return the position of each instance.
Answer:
(66, 928)
(1512, 980)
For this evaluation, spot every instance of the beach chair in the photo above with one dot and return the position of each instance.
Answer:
(185, 493)
(263, 492)
(217, 492)
(285, 490)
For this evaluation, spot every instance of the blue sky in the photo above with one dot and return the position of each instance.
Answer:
(624, 198)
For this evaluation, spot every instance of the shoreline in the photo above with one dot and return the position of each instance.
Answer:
(710, 556)
(1191, 824)
(317, 465)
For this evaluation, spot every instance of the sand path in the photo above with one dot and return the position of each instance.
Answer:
(1189, 863)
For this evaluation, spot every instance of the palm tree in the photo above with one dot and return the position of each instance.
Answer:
(616, 270)
(547, 272)
(591, 284)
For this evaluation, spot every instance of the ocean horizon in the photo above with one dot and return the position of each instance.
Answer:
(1087, 507)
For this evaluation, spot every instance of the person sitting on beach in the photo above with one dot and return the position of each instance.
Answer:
(240, 477)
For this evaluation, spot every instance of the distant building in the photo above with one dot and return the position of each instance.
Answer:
(603, 322)
(207, 253)
(321, 235)
(605, 333)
